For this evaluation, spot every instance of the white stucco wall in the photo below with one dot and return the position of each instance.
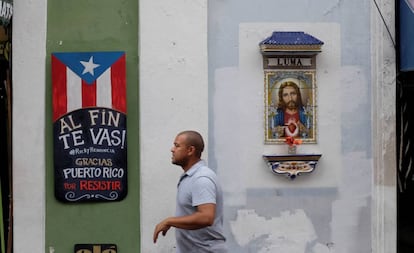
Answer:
(289, 229)
(29, 57)
(319, 212)
(355, 78)
(173, 98)
(384, 208)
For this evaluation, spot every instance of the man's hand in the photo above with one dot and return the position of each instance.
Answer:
(161, 227)
(203, 217)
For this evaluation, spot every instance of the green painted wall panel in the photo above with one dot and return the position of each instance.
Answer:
(92, 25)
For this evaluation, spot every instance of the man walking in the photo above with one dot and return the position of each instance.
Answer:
(199, 212)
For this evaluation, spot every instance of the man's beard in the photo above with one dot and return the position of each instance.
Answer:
(291, 105)
(181, 162)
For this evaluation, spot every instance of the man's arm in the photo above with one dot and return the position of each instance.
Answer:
(203, 217)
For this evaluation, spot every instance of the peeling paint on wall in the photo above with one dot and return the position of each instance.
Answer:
(292, 231)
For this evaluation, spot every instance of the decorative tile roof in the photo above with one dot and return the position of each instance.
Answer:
(291, 38)
(290, 41)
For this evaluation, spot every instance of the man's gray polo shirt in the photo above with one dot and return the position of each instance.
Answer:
(199, 185)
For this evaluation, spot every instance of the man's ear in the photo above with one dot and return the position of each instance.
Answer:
(191, 150)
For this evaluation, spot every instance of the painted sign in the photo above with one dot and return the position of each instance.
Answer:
(6, 12)
(289, 62)
(95, 248)
(89, 126)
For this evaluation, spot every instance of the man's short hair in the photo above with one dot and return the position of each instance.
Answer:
(194, 138)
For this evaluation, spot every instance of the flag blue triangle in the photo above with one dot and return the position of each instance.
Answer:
(101, 60)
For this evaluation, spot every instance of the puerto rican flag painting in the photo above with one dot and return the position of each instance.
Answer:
(89, 126)
(88, 79)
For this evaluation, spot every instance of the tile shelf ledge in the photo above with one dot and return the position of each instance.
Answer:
(292, 165)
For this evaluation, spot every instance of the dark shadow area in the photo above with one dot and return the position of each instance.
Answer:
(405, 159)
(5, 139)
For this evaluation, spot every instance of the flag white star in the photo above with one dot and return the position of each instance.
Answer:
(89, 66)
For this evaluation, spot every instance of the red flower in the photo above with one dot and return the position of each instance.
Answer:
(292, 141)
